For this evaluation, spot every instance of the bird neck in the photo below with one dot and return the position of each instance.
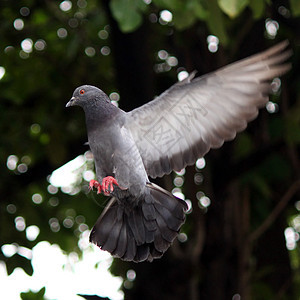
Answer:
(97, 116)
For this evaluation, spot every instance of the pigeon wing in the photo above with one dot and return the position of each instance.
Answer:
(195, 115)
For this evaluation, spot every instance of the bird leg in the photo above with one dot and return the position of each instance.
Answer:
(108, 182)
(95, 184)
(106, 187)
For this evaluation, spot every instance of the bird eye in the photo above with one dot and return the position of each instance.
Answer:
(81, 92)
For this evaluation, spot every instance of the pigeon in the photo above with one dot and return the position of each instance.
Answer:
(141, 219)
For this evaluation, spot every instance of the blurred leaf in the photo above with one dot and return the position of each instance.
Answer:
(34, 296)
(215, 21)
(18, 261)
(295, 7)
(275, 168)
(260, 184)
(243, 146)
(183, 19)
(233, 7)
(258, 8)
(169, 4)
(128, 13)
(199, 10)
(292, 125)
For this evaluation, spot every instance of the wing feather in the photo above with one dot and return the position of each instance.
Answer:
(198, 114)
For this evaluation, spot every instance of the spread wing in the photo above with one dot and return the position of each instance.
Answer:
(194, 115)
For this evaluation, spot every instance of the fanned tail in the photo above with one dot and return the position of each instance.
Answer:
(142, 232)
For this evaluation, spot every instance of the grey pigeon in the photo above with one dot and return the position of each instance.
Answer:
(141, 219)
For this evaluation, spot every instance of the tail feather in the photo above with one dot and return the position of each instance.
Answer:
(171, 222)
(141, 232)
(121, 247)
(167, 233)
(160, 243)
(135, 222)
(148, 211)
(131, 249)
(142, 253)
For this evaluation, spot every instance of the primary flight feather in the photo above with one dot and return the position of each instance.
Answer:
(141, 219)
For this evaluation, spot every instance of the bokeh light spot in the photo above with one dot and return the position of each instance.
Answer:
(24, 11)
(284, 11)
(22, 168)
(131, 275)
(40, 45)
(178, 181)
(11, 208)
(275, 85)
(172, 61)
(62, 33)
(189, 205)
(291, 238)
(26, 45)
(181, 172)
(213, 43)
(32, 232)
(81, 3)
(18, 24)
(182, 75)
(166, 16)
(2, 72)
(8, 49)
(204, 201)
(162, 54)
(53, 201)
(37, 198)
(272, 107)
(105, 50)
(90, 51)
(272, 28)
(182, 237)
(68, 222)
(65, 5)
(297, 205)
(9, 250)
(35, 128)
(20, 223)
(54, 224)
(103, 34)
(114, 96)
(11, 162)
(52, 189)
(73, 23)
(200, 163)
(198, 178)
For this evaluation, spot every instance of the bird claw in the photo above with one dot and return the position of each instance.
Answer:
(106, 187)
(95, 184)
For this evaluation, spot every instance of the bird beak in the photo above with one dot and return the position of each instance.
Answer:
(71, 102)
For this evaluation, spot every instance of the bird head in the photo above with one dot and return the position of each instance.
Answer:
(86, 95)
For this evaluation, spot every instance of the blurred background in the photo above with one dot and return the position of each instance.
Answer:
(241, 237)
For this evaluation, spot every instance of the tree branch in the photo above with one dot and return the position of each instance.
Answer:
(276, 211)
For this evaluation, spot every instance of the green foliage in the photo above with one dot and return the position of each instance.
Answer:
(36, 128)
(257, 7)
(295, 7)
(34, 296)
(232, 7)
(128, 13)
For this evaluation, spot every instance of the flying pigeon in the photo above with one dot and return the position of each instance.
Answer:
(169, 133)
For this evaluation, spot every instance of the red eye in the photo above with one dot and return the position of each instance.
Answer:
(81, 92)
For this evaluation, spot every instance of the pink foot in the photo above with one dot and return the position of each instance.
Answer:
(95, 184)
(106, 187)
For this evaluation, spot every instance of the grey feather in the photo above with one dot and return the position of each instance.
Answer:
(142, 220)
(204, 111)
